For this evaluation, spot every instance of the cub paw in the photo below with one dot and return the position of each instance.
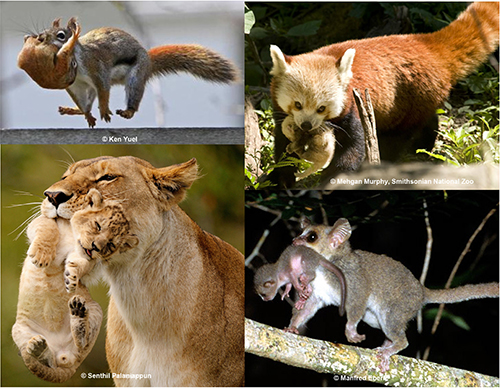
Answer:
(77, 306)
(41, 255)
(36, 346)
(70, 278)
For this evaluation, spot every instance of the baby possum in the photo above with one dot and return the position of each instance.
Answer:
(297, 266)
(316, 146)
(380, 291)
(56, 328)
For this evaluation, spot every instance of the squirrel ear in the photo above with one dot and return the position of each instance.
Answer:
(72, 23)
(55, 23)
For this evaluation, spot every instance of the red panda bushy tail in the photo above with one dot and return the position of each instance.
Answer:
(468, 40)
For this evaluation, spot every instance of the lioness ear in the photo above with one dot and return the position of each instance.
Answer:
(171, 183)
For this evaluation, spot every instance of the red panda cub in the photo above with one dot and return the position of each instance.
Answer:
(408, 77)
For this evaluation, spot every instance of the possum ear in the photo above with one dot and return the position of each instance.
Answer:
(340, 232)
(279, 61)
(345, 66)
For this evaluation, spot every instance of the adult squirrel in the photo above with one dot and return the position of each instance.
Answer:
(88, 66)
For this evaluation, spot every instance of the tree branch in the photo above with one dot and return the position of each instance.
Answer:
(367, 117)
(350, 363)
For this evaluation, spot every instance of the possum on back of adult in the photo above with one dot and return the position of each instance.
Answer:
(408, 77)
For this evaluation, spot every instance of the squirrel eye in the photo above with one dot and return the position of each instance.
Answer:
(61, 35)
(321, 109)
(298, 105)
(311, 237)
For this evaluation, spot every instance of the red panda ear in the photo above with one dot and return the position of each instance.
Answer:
(344, 66)
(280, 62)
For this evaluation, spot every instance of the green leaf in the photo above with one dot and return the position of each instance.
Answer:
(305, 29)
(249, 21)
(459, 321)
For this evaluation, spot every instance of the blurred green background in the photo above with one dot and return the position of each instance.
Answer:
(215, 202)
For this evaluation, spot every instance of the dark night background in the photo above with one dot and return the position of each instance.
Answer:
(390, 223)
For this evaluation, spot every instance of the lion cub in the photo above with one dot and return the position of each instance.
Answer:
(57, 321)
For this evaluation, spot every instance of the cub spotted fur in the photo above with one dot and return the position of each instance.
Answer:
(101, 230)
(176, 310)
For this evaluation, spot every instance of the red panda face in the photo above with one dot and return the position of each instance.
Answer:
(311, 88)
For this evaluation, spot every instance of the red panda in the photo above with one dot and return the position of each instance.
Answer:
(408, 77)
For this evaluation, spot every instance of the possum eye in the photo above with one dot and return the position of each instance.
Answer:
(61, 35)
(311, 237)
(298, 105)
(321, 109)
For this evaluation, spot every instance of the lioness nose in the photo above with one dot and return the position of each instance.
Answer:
(57, 197)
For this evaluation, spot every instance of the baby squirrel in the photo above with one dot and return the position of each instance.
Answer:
(296, 266)
(316, 146)
(380, 291)
(88, 66)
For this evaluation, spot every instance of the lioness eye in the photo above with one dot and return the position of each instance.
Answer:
(321, 109)
(98, 226)
(298, 105)
(107, 177)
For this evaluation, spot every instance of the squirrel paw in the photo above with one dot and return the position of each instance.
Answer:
(64, 110)
(126, 114)
(90, 119)
(106, 116)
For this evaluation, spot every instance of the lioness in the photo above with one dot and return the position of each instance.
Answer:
(176, 311)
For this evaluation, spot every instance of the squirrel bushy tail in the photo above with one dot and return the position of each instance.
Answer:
(462, 293)
(193, 59)
(467, 41)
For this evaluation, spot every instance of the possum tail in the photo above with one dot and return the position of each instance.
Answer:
(466, 42)
(460, 294)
